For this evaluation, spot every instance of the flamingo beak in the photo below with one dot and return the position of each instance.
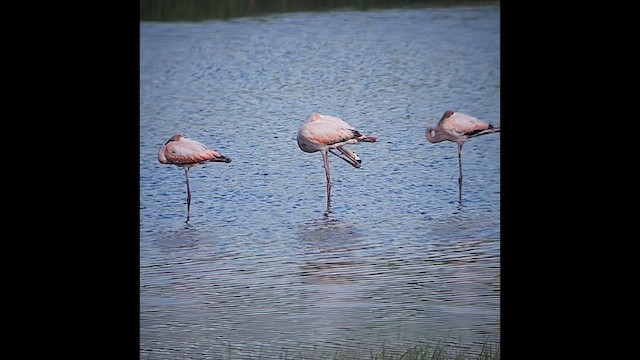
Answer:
(222, 159)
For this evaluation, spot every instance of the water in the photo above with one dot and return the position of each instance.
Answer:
(260, 271)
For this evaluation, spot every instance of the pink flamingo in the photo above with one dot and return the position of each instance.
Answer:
(325, 133)
(187, 153)
(458, 128)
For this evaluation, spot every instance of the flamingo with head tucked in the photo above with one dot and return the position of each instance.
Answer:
(326, 134)
(458, 128)
(187, 153)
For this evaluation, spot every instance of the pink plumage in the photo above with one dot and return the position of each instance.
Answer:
(182, 151)
(187, 153)
(458, 128)
(325, 133)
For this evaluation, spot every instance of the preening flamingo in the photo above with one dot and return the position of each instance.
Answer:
(187, 153)
(326, 134)
(458, 128)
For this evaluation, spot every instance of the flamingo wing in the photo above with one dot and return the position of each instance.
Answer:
(187, 151)
(463, 124)
(326, 130)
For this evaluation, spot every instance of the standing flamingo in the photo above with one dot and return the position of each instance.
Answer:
(187, 153)
(458, 127)
(325, 133)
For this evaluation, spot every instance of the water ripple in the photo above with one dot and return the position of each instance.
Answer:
(261, 270)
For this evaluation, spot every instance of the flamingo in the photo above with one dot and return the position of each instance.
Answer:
(187, 153)
(458, 127)
(325, 133)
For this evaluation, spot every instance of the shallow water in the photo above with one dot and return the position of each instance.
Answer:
(260, 271)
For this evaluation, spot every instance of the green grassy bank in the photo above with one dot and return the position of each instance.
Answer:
(203, 10)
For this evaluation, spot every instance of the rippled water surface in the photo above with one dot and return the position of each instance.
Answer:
(260, 271)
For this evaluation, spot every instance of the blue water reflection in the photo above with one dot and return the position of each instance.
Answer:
(260, 270)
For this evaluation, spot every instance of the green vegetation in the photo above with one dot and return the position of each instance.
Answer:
(424, 352)
(490, 351)
(202, 10)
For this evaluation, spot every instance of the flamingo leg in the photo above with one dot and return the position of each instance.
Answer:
(460, 168)
(186, 175)
(325, 157)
